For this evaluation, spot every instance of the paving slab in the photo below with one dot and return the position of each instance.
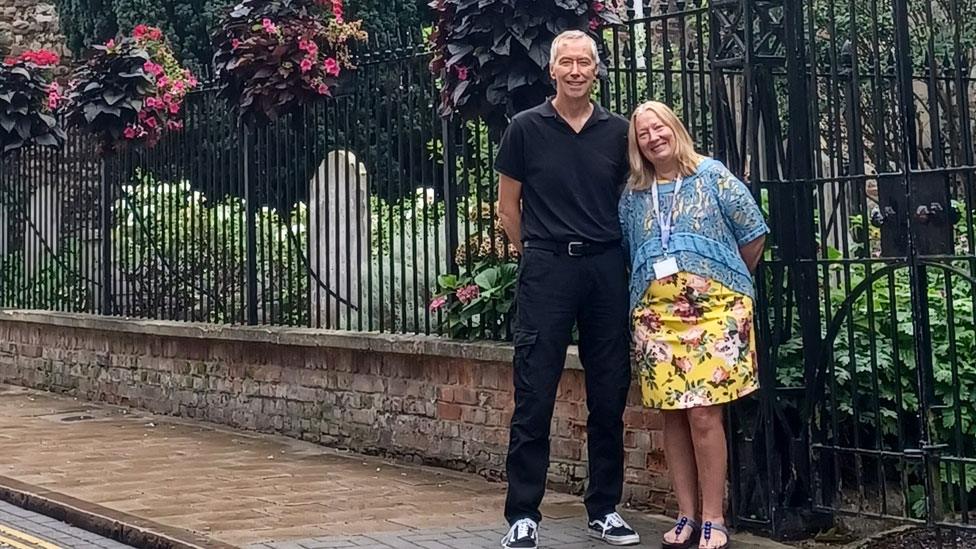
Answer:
(252, 490)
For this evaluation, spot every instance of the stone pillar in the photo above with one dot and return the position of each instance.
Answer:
(29, 25)
(338, 242)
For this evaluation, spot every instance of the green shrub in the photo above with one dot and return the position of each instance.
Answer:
(872, 372)
(49, 282)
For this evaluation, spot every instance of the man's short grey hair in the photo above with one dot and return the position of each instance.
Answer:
(573, 35)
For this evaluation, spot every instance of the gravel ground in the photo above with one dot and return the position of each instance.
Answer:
(928, 538)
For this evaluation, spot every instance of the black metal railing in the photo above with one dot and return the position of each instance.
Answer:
(343, 215)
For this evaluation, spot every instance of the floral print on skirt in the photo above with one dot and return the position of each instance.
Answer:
(694, 343)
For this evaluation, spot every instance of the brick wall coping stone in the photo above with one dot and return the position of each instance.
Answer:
(489, 351)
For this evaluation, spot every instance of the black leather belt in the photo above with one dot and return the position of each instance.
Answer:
(572, 249)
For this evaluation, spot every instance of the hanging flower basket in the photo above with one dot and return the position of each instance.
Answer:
(131, 91)
(274, 56)
(28, 98)
(492, 56)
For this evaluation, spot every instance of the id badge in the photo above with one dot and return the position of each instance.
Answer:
(665, 268)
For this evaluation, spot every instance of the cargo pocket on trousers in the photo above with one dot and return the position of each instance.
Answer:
(524, 341)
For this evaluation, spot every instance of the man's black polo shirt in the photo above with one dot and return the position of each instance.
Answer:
(570, 182)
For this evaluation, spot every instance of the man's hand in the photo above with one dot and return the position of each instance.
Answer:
(510, 209)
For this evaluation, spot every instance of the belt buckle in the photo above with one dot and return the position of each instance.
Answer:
(570, 249)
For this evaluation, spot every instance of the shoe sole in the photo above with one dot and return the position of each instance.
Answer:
(536, 546)
(690, 543)
(614, 540)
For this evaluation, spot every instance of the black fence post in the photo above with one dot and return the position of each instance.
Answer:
(450, 194)
(106, 237)
(250, 209)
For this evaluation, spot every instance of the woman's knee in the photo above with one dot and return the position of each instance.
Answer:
(706, 419)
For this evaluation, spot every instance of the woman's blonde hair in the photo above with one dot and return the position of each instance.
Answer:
(642, 173)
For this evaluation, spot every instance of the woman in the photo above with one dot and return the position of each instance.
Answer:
(695, 235)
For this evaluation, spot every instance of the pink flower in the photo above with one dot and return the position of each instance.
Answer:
(322, 89)
(145, 31)
(191, 81)
(727, 348)
(151, 122)
(686, 310)
(168, 98)
(306, 64)
(41, 58)
(235, 43)
(331, 66)
(692, 337)
(162, 81)
(438, 302)
(174, 108)
(744, 327)
(660, 352)
(178, 87)
(153, 103)
(684, 364)
(649, 320)
(53, 96)
(598, 7)
(740, 311)
(110, 44)
(132, 132)
(719, 375)
(269, 26)
(337, 10)
(462, 72)
(468, 293)
(698, 283)
(174, 125)
(641, 336)
(152, 68)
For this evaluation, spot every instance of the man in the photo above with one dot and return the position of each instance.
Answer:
(561, 169)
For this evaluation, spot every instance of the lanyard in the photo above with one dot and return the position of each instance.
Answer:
(665, 222)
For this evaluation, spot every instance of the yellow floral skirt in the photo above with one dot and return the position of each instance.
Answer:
(694, 343)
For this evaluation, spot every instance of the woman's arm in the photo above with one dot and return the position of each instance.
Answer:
(751, 252)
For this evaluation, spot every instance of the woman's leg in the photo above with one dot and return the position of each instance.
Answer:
(708, 437)
(680, 453)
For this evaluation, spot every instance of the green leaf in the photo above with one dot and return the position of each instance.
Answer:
(486, 279)
(448, 281)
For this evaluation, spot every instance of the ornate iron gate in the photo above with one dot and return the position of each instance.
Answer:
(852, 120)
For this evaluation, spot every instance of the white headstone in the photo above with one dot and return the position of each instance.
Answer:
(41, 230)
(338, 242)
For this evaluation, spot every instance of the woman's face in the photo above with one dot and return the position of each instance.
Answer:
(654, 138)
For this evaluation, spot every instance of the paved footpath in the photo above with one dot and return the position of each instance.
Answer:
(21, 529)
(245, 489)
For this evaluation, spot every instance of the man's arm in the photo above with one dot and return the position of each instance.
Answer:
(752, 252)
(510, 208)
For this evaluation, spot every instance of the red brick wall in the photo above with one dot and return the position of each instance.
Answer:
(441, 410)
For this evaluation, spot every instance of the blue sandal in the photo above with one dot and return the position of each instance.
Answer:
(707, 534)
(692, 541)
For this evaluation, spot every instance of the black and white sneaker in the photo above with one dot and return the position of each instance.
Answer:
(614, 530)
(524, 534)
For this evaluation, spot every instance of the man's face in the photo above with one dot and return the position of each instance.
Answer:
(575, 69)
